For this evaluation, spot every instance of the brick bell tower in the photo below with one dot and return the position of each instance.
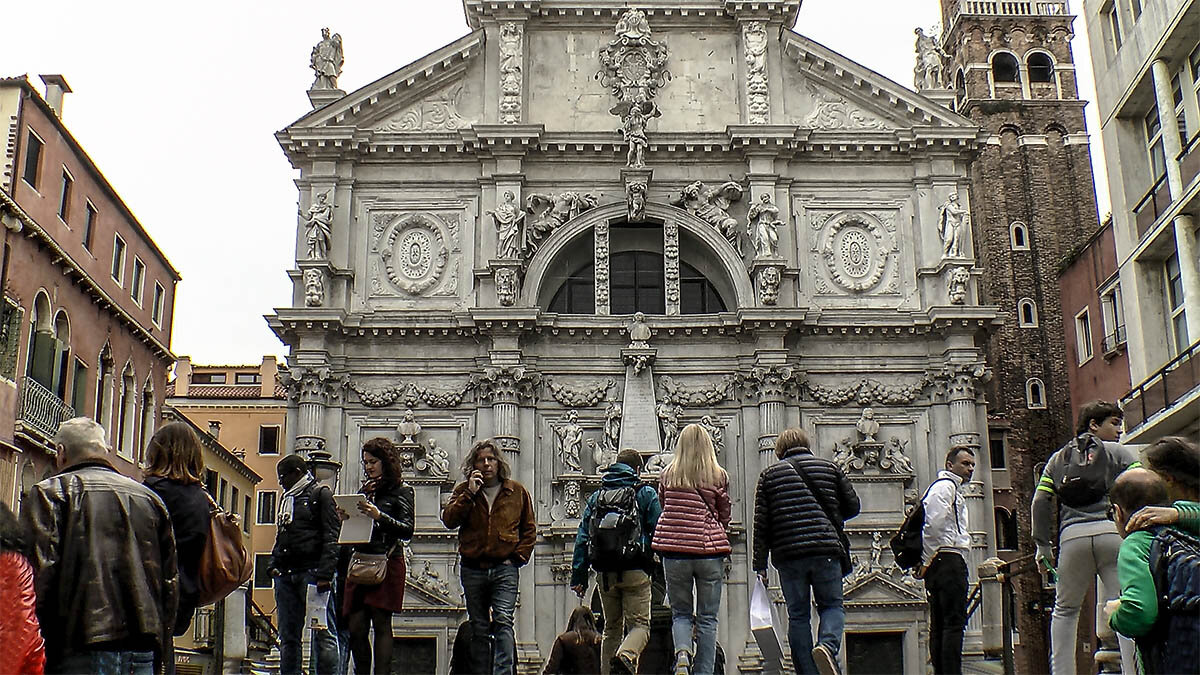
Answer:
(1032, 200)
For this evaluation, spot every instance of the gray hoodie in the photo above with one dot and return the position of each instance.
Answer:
(1045, 497)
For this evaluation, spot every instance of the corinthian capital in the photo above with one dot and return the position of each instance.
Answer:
(508, 384)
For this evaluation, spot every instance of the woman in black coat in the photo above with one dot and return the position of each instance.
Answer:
(389, 502)
(175, 473)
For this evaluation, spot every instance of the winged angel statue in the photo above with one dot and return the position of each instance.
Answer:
(711, 205)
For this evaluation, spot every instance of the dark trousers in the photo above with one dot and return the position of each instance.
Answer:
(946, 583)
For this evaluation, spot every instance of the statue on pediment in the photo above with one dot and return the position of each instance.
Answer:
(326, 60)
(634, 116)
(930, 72)
(762, 227)
(508, 218)
(953, 220)
(711, 204)
(319, 221)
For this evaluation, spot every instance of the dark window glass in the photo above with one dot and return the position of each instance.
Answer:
(64, 199)
(118, 261)
(247, 378)
(1005, 68)
(266, 507)
(262, 570)
(577, 294)
(208, 378)
(1041, 67)
(89, 226)
(210, 482)
(636, 284)
(268, 440)
(996, 446)
(33, 160)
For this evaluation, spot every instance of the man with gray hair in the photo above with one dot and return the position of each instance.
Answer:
(103, 554)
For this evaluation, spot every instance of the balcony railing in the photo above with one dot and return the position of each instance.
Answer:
(1013, 7)
(1152, 205)
(1114, 340)
(203, 628)
(260, 629)
(1162, 389)
(41, 409)
(1189, 160)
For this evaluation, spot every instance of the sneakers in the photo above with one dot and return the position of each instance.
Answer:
(683, 663)
(622, 665)
(826, 660)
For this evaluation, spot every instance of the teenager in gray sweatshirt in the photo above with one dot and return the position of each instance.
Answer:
(1087, 540)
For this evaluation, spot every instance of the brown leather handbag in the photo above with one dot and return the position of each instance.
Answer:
(224, 563)
(367, 569)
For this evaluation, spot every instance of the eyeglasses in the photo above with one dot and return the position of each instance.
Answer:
(1111, 512)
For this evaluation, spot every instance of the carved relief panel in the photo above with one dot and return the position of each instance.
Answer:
(416, 254)
(853, 254)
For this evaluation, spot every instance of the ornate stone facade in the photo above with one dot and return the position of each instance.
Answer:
(504, 306)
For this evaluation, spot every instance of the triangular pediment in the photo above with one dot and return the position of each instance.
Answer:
(830, 92)
(878, 588)
(429, 593)
(433, 93)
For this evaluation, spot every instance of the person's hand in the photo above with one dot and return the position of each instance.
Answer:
(342, 514)
(324, 586)
(1045, 558)
(578, 588)
(762, 576)
(1110, 608)
(919, 573)
(1148, 516)
(475, 482)
(369, 509)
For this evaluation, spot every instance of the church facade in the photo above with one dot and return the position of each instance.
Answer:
(583, 226)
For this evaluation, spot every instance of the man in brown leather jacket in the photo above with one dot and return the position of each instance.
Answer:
(103, 554)
(496, 533)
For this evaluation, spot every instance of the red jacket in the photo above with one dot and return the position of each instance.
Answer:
(693, 521)
(22, 649)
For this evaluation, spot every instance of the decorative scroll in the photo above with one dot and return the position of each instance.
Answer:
(439, 113)
(585, 397)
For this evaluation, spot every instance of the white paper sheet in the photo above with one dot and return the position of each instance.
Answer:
(316, 608)
(356, 530)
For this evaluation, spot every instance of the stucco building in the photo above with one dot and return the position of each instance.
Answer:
(480, 226)
(85, 319)
(1146, 57)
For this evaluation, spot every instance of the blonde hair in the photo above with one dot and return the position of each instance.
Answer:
(695, 462)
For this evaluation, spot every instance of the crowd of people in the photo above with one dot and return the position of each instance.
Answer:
(101, 571)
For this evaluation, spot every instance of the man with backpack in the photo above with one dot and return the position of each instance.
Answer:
(1160, 581)
(945, 545)
(614, 539)
(801, 505)
(1077, 479)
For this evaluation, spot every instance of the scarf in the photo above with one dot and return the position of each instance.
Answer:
(287, 505)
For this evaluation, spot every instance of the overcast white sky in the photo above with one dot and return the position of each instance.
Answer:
(178, 105)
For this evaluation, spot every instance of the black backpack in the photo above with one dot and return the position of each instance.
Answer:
(907, 544)
(1085, 478)
(615, 531)
(1173, 644)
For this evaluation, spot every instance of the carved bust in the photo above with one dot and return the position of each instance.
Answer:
(867, 426)
(639, 332)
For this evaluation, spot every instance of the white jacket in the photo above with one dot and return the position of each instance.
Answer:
(946, 527)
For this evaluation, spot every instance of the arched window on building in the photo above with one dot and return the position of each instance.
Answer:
(960, 89)
(146, 426)
(1006, 530)
(1041, 67)
(1019, 236)
(1026, 314)
(1035, 393)
(1005, 68)
(39, 362)
(104, 389)
(62, 354)
(126, 408)
(636, 284)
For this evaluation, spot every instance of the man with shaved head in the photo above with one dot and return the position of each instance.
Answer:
(103, 554)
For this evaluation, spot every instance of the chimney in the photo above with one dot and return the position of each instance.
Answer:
(214, 429)
(183, 375)
(56, 88)
(268, 371)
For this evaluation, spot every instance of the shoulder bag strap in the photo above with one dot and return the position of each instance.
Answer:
(813, 491)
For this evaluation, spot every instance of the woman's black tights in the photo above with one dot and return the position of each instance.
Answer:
(360, 640)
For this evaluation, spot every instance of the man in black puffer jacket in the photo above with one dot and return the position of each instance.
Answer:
(801, 504)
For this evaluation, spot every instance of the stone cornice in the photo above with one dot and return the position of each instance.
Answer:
(661, 13)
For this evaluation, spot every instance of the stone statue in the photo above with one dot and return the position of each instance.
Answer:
(768, 284)
(715, 432)
(408, 428)
(438, 459)
(930, 71)
(668, 415)
(876, 550)
(710, 206)
(612, 426)
(762, 226)
(508, 218)
(570, 441)
(633, 128)
(843, 455)
(326, 60)
(658, 462)
(319, 222)
(867, 426)
(953, 219)
(957, 285)
(635, 201)
(639, 332)
(506, 286)
(548, 212)
(894, 458)
(314, 288)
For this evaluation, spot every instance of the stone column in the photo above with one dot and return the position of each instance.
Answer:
(961, 396)
(1189, 271)
(311, 388)
(1172, 145)
(770, 386)
(505, 388)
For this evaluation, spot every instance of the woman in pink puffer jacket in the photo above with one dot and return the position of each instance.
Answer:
(690, 537)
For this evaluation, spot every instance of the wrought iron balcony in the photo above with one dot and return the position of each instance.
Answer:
(1114, 340)
(1163, 389)
(42, 411)
(1013, 7)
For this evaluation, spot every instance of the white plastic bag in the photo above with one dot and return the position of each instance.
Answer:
(762, 624)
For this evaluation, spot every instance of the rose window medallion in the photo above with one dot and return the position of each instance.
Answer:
(854, 252)
(414, 253)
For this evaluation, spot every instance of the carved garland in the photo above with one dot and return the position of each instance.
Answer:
(585, 397)
(410, 394)
(418, 264)
(694, 397)
(868, 392)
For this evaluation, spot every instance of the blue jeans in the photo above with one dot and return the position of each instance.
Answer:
(706, 574)
(105, 663)
(823, 575)
(491, 597)
(291, 596)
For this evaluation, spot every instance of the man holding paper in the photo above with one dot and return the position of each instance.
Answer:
(303, 563)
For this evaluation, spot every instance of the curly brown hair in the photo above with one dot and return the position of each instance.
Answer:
(385, 451)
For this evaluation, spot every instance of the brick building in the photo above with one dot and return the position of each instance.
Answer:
(1032, 201)
(85, 318)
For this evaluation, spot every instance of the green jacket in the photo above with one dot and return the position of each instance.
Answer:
(1139, 598)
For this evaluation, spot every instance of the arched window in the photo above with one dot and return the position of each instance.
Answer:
(104, 387)
(960, 89)
(146, 426)
(62, 354)
(126, 405)
(1005, 68)
(1006, 530)
(636, 284)
(1041, 67)
(1027, 314)
(1019, 236)
(1035, 393)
